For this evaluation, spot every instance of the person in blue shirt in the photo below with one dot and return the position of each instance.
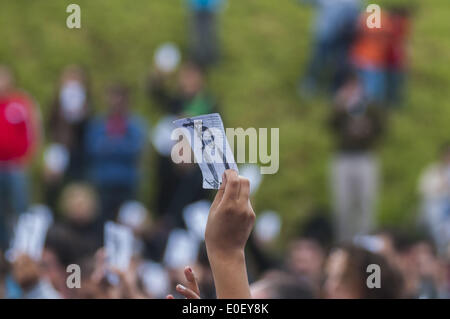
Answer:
(333, 31)
(114, 144)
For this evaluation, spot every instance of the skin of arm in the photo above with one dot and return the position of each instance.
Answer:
(230, 222)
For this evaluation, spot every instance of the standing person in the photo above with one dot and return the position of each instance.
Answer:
(204, 45)
(191, 98)
(333, 34)
(114, 144)
(19, 136)
(70, 112)
(179, 184)
(69, 116)
(435, 191)
(369, 55)
(355, 166)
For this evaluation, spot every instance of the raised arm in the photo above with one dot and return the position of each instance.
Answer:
(230, 222)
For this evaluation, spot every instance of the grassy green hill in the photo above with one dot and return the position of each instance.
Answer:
(265, 46)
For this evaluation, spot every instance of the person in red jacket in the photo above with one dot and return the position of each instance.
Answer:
(19, 136)
(397, 54)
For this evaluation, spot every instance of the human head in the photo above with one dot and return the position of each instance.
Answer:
(117, 98)
(79, 203)
(279, 285)
(307, 253)
(350, 95)
(306, 257)
(191, 79)
(347, 275)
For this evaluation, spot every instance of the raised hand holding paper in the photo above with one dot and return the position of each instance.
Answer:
(119, 248)
(30, 233)
(206, 136)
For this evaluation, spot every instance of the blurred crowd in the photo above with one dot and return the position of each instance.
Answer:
(91, 175)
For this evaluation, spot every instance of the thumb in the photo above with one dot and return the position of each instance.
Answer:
(220, 192)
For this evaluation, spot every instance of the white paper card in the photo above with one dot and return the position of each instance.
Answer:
(268, 226)
(206, 136)
(30, 233)
(56, 158)
(195, 216)
(155, 279)
(167, 57)
(118, 245)
(182, 249)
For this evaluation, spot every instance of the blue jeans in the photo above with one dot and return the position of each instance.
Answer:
(13, 200)
(374, 84)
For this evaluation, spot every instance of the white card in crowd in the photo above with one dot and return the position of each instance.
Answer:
(56, 158)
(268, 226)
(30, 233)
(155, 279)
(73, 98)
(119, 241)
(253, 173)
(160, 135)
(132, 214)
(182, 249)
(167, 57)
(195, 216)
(208, 141)
(374, 244)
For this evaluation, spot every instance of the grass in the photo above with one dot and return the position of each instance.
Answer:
(265, 46)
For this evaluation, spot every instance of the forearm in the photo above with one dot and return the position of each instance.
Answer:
(230, 275)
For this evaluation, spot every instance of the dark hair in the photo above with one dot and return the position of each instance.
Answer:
(356, 274)
(319, 229)
(286, 286)
(290, 287)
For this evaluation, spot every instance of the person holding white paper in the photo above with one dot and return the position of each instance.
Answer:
(230, 221)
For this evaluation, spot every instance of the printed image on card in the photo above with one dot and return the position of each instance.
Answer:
(206, 136)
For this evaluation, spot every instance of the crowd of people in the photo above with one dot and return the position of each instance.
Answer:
(187, 245)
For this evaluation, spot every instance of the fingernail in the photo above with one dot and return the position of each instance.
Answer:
(181, 287)
(189, 269)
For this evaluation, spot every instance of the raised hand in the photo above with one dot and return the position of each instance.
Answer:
(230, 222)
(191, 290)
(231, 216)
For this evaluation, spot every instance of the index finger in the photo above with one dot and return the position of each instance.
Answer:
(219, 194)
